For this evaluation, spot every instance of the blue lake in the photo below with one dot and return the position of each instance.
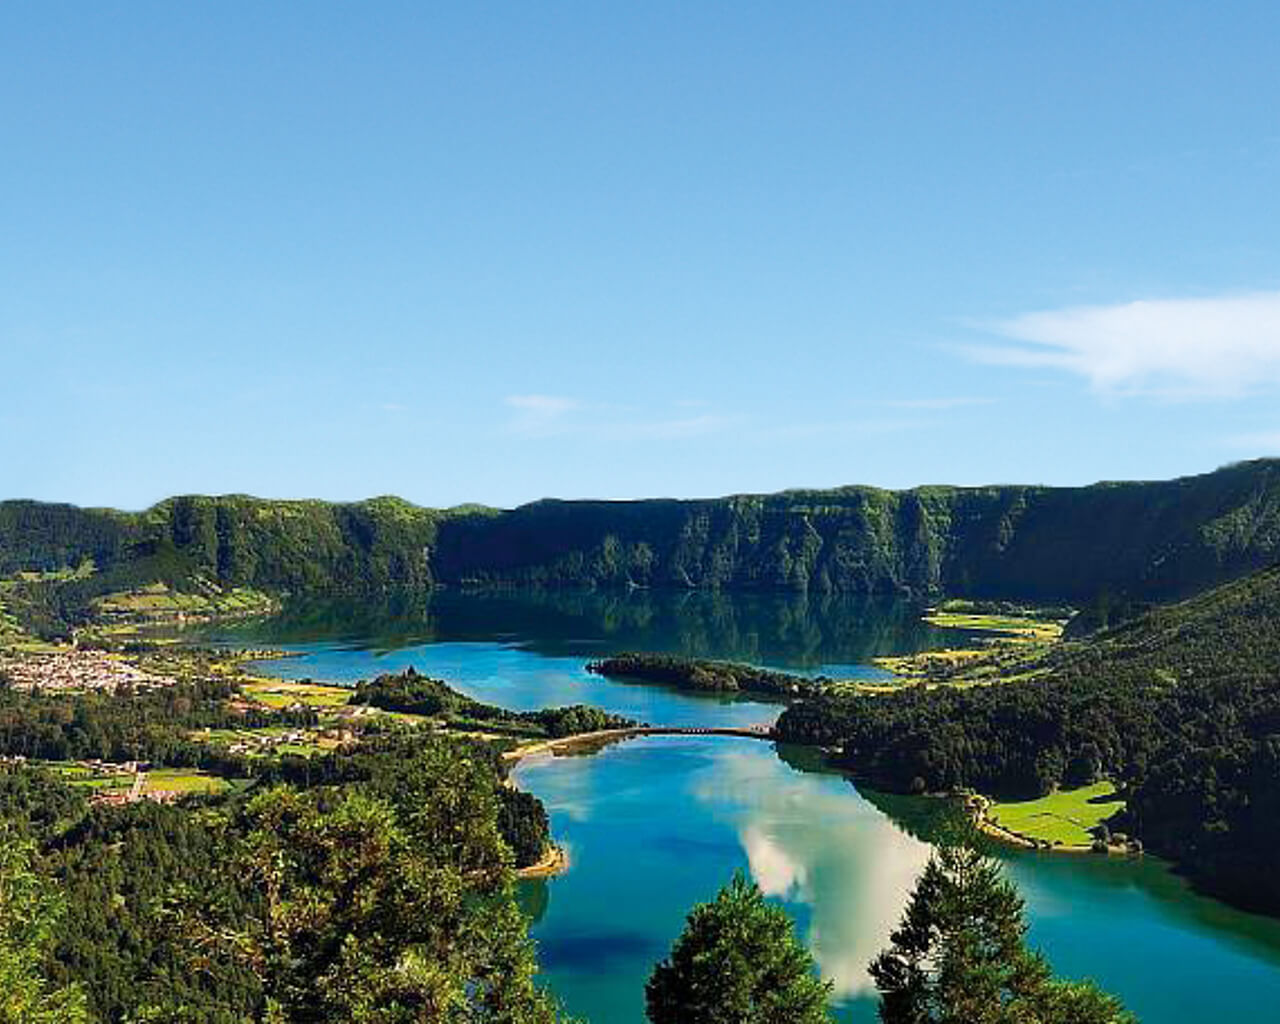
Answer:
(654, 825)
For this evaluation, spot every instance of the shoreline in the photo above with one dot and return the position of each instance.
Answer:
(979, 808)
(603, 737)
(554, 861)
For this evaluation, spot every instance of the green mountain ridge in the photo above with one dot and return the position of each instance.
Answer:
(1148, 541)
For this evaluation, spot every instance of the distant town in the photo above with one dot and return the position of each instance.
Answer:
(78, 670)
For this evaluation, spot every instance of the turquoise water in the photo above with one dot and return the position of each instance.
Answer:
(528, 651)
(654, 825)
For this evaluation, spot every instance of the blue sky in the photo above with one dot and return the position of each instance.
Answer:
(495, 252)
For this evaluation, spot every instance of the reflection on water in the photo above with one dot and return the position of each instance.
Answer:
(808, 843)
(658, 824)
(526, 650)
(798, 631)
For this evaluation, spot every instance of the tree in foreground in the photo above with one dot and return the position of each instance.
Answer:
(369, 908)
(959, 956)
(28, 913)
(737, 962)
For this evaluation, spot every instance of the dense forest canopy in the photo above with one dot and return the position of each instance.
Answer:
(701, 675)
(1181, 706)
(1132, 540)
(383, 879)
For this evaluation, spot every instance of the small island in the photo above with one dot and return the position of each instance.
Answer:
(703, 676)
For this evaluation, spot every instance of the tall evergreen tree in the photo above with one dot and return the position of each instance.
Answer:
(959, 956)
(737, 962)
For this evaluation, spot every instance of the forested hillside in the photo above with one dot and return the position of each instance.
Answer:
(1181, 706)
(1124, 540)
(388, 868)
(297, 545)
(1154, 540)
(205, 545)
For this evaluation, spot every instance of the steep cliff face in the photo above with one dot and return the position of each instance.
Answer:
(1155, 540)
(282, 545)
(856, 539)
(300, 545)
(1149, 540)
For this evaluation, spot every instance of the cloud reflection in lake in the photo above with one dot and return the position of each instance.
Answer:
(807, 843)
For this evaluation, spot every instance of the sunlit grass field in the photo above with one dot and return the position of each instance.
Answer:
(1013, 627)
(183, 781)
(278, 693)
(1062, 817)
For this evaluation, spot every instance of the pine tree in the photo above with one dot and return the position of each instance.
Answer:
(737, 962)
(959, 956)
(378, 909)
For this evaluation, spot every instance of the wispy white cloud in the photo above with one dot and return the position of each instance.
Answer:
(666, 429)
(538, 416)
(1211, 347)
(542, 405)
(840, 428)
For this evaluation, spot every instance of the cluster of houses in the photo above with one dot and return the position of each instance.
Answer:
(259, 743)
(77, 670)
(134, 773)
(136, 792)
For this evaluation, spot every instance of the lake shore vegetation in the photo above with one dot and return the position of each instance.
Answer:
(1177, 707)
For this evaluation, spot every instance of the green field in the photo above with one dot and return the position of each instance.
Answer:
(178, 780)
(171, 780)
(239, 735)
(1010, 627)
(157, 599)
(281, 693)
(78, 775)
(14, 639)
(1063, 817)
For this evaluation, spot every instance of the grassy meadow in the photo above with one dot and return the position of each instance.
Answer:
(1064, 817)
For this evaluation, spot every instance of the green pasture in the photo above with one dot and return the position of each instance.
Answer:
(1013, 627)
(281, 694)
(177, 780)
(1063, 817)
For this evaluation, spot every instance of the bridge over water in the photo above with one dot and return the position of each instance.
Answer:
(753, 732)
